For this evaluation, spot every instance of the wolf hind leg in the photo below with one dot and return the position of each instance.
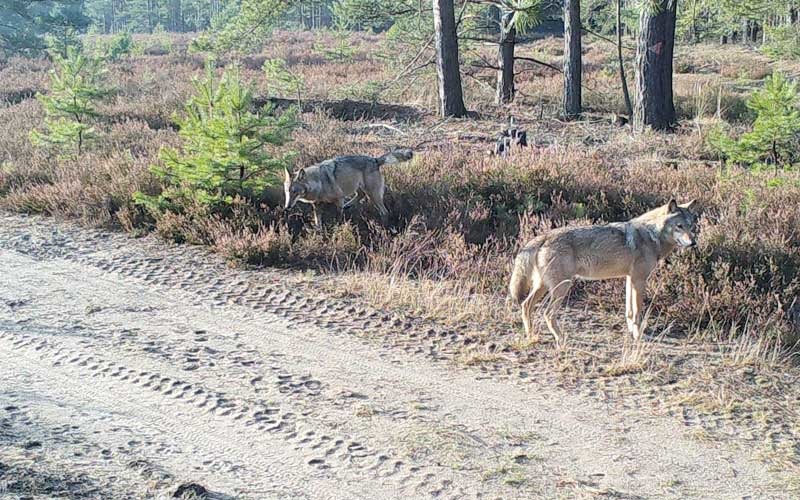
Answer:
(383, 211)
(538, 291)
(355, 199)
(557, 295)
(374, 191)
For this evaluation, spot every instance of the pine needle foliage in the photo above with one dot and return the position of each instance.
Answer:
(775, 134)
(228, 151)
(76, 86)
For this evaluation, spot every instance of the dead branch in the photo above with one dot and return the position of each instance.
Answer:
(383, 125)
(531, 59)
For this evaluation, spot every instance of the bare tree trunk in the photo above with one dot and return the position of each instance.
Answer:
(572, 58)
(745, 31)
(623, 79)
(108, 21)
(176, 15)
(754, 29)
(447, 64)
(654, 105)
(150, 24)
(505, 73)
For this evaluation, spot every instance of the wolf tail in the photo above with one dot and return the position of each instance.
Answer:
(395, 156)
(522, 276)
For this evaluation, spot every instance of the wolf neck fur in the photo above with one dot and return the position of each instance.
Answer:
(652, 224)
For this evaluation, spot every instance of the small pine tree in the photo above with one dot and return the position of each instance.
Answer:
(121, 45)
(282, 80)
(59, 44)
(342, 49)
(66, 20)
(225, 150)
(774, 136)
(75, 88)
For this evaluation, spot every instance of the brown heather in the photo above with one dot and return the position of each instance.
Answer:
(457, 215)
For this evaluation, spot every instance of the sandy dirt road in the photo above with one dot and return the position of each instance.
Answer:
(128, 367)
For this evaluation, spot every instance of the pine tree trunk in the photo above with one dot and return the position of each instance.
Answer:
(108, 23)
(572, 58)
(756, 29)
(745, 31)
(447, 64)
(505, 61)
(623, 79)
(654, 105)
(176, 15)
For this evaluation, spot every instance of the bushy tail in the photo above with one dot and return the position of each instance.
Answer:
(522, 275)
(395, 156)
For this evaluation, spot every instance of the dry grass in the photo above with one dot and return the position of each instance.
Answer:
(634, 358)
(443, 301)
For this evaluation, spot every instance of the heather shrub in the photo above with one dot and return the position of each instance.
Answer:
(257, 244)
(93, 189)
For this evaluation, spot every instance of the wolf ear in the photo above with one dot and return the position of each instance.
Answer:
(672, 206)
(301, 174)
(691, 206)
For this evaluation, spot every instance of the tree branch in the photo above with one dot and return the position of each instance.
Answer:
(602, 37)
(536, 61)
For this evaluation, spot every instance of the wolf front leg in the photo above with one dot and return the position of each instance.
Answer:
(634, 299)
(340, 209)
(317, 218)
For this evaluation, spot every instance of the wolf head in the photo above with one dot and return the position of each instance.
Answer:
(680, 226)
(294, 188)
(395, 156)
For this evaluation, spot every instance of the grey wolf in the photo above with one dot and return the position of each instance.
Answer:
(550, 262)
(333, 181)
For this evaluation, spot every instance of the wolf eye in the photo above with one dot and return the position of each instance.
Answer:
(680, 226)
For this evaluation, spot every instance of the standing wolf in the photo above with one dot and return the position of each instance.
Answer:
(550, 262)
(332, 181)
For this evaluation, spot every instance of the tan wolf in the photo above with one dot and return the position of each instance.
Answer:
(631, 249)
(332, 181)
